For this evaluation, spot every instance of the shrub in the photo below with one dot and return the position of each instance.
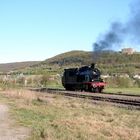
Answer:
(122, 82)
(137, 81)
(44, 80)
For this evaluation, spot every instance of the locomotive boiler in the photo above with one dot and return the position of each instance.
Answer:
(86, 78)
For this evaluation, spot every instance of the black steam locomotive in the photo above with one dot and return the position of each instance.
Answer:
(87, 78)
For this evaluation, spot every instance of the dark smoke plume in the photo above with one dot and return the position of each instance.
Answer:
(119, 32)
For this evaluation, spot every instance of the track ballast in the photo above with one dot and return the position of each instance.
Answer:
(123, 100)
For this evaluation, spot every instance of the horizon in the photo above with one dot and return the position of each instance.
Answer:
(37, 30)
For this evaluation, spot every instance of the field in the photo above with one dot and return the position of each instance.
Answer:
(135, 91)
(55, 117)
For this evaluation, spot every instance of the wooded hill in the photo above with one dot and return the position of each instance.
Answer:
(108, 62)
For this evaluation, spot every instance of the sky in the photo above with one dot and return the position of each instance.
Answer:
(32, 30)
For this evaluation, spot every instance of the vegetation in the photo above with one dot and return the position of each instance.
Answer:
(108, 62)
(120, 67)
(58, 118)
(16, 66)
(55, 117)
(122, 82)
(135, 91)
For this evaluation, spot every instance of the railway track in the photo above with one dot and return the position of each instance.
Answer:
(125, 100)
(104, 93)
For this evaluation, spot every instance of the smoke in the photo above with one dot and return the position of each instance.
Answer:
(119, 32)
(133, 24)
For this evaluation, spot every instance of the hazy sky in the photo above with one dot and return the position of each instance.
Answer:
(39, 29)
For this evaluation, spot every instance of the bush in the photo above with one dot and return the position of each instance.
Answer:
(44, 80)
(122, 82)
(137, 82)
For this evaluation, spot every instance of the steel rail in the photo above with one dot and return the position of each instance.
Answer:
(106, 93)
(111, 98)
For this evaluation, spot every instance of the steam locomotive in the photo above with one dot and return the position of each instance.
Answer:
(86, 78)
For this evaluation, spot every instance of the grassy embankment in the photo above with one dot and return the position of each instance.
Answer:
(56, 117)
(135, 91)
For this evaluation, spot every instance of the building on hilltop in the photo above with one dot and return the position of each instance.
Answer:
(128, 51)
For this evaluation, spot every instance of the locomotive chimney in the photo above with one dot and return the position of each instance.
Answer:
(92, 66)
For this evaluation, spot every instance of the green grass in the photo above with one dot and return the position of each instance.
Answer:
(55, 117)
(123, 90)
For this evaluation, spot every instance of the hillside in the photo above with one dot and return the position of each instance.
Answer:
(72, 58)
(108, 62)
(16, 66)
(115, 64)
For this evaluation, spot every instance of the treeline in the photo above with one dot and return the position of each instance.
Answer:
(122, 82)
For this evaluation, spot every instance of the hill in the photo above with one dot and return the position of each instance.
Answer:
(50, 70)
(16, 66)
(108, 62)
(72, 58)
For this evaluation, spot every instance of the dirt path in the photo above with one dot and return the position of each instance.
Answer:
(8, 129)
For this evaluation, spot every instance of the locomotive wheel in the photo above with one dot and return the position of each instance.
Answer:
(92, 89)
(71, 89)
(100, 90)
(68, 87)
(96, 90)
